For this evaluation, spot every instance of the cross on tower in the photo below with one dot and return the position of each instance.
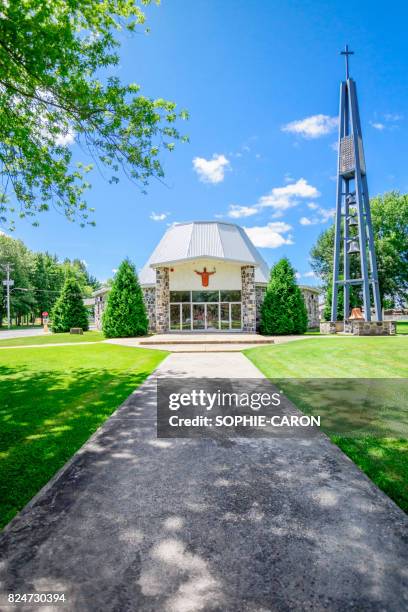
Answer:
(353, 226)
(347, 52)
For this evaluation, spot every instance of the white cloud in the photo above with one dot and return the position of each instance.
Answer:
(377, 125)
(282, 198)
(270, 235)
(312, 127)
(309, 274)
(158, 216)
(390, 121)
(236, 212)
(298, 275)
(65, 138)
(326, 214)
(279, 199)
(393, 117)
(322, 215)
(211, 170)
(335, 146)
(114, 270)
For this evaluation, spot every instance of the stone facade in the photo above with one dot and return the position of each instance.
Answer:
(100, 305)
(359, 328)
(370, 328)
(248, 299)
(162, 299)
(259, 298)
(331, 327)
(311, 299)
(149, 296)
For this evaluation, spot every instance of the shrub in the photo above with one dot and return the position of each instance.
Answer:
(69, 310)
(283, 310)
(125, 312)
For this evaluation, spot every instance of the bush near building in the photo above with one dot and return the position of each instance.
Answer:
(283, 310)
(69, 310)
(125, 313)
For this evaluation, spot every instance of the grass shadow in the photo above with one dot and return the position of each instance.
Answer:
(47, 414)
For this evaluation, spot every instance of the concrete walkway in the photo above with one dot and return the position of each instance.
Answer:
(205, 343)
(140, 524)
(6, 334)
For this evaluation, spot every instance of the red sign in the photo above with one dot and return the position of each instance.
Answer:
(45, 314)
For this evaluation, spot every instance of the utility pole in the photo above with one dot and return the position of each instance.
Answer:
(8, 283)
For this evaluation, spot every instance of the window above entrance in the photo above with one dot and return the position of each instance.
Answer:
(205, 296)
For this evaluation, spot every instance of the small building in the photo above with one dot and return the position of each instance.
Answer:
(311, 297)
(205, 276)
(100, 296)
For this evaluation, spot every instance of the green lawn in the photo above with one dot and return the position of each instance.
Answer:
(402, 327)
(383, 457)
(89, 336)
(51, 401)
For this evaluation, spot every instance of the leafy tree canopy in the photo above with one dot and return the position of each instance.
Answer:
(390, 222)
(283, 310)
(57, 85)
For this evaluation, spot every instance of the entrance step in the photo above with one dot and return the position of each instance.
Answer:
(208, 339)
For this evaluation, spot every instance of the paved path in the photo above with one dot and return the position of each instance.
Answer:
(205, 343)
(6, 334)
(140, 524)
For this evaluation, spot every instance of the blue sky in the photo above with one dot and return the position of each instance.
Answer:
(260, 80)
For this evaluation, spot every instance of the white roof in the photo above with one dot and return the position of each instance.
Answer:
(204, 240)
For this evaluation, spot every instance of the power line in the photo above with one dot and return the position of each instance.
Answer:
(27, 289)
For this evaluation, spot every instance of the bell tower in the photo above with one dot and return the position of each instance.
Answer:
(353, 226)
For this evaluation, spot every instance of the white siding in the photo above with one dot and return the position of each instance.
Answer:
(183, 277)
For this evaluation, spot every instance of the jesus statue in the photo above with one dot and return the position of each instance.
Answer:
(205, 276)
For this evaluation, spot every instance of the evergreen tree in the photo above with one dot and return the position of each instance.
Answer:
(283, 310)
(125, 313)
(48, 279)
(69, 310)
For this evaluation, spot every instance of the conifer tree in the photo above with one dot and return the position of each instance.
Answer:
(69, 310)
(125, 313)
(283, 310)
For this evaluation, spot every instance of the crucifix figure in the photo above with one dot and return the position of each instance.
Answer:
(205, 276)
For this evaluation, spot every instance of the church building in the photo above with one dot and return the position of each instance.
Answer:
(205, 276)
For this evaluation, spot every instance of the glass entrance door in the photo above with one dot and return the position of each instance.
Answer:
(201, 311)
(212, 317)
(198, 316)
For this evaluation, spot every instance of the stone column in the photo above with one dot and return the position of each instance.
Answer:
(162, 300)
(259, 298)
(248, 299)
(149, 296)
